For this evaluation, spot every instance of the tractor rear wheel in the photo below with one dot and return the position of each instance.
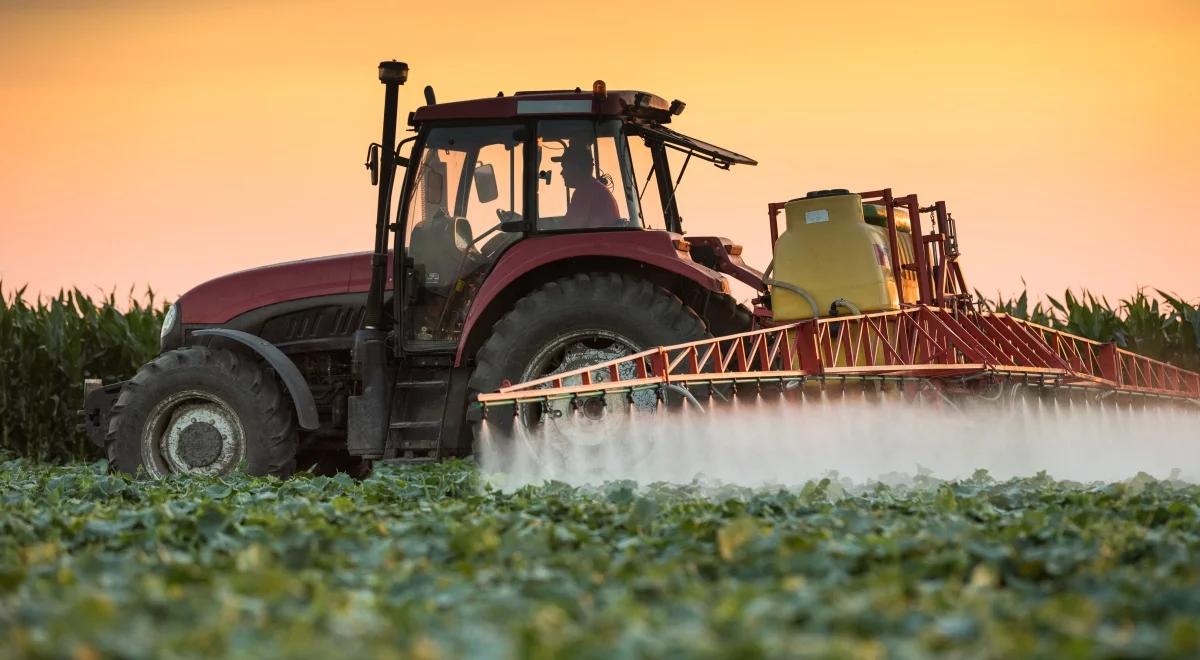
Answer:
(202, 410)
(571, 323)
(726, 316)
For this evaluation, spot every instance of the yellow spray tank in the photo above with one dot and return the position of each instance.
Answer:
(835, 250)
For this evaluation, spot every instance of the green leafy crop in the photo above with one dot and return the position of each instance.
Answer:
(432, 562)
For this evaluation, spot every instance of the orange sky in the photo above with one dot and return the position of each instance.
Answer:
(167, 143)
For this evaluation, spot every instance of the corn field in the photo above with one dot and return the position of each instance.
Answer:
(49, 345)
(47, 348)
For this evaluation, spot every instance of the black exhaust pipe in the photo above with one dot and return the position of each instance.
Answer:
(392, 75)
(368, 413)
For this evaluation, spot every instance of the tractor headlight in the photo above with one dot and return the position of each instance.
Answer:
(171, 335)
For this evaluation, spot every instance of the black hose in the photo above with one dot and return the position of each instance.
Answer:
(812, 303)
(685, 393)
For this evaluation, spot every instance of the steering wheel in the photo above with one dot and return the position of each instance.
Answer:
(501, 240)
(507, 216)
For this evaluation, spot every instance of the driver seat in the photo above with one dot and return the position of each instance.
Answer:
(439, 247)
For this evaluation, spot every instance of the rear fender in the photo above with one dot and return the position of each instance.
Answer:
(535, 261)
(293, 380)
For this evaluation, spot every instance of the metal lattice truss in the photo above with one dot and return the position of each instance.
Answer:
(916, 342)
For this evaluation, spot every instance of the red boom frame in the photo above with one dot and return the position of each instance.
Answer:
(919, 341)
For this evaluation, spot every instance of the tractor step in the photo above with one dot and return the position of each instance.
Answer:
(416, 425)
(415, 384)
(415, 431)
(407, 460)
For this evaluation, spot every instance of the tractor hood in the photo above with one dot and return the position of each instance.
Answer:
(221, 299)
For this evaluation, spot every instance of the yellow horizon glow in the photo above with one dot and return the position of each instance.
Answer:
(165, 144)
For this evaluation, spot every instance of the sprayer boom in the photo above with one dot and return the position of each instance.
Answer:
(959, 352)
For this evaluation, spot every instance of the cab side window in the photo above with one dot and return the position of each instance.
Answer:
(585, 179)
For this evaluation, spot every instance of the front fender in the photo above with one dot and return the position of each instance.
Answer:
(293, 380)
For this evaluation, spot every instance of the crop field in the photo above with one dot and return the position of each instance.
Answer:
(434, 562)
(447, 560)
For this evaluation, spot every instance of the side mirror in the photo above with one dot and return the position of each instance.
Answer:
(485, 183)
(462, 234)
(372, 163)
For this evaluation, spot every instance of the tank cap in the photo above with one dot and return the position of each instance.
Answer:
(826, 193)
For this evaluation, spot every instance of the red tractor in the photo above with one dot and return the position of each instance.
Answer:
(536, 233)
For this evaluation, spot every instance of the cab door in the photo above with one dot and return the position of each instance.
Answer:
(469, 179)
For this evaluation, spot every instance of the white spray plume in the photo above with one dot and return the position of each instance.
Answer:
(788, 443)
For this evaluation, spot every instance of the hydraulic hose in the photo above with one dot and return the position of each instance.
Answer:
(812, 303)
(685, 393)
(950, 402)
(842, 302)
(787, 286)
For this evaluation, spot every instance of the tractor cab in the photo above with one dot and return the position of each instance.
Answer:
(485, 174)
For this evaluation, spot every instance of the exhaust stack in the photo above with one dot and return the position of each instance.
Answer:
(367, 413)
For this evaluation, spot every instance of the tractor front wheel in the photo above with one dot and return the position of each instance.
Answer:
(205, 411)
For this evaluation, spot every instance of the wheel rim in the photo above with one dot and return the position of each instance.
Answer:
(192, 432)
(578, 349)
(567, 427)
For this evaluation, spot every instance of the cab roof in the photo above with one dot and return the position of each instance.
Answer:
(630, 104)
(647, 111)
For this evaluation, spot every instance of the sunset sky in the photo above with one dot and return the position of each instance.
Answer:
(165, 143)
